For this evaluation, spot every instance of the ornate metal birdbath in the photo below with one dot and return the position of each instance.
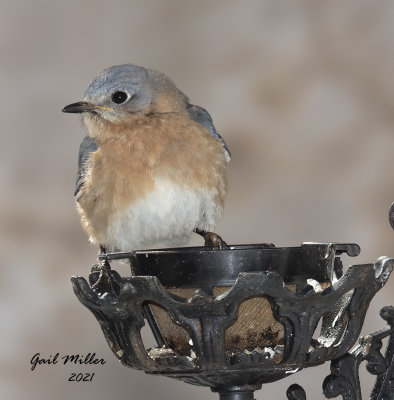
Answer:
(233, 319)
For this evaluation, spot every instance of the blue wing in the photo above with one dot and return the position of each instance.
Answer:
(200, 115)
(87, 147)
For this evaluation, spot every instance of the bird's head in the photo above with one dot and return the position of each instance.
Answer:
(125, 91)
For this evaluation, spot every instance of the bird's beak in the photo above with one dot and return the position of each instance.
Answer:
(80, 107)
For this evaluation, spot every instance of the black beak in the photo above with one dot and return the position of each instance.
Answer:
(80, 107)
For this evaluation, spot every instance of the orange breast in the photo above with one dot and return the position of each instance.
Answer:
(135, 153)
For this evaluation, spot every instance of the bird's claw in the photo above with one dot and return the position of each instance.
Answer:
(212, 239)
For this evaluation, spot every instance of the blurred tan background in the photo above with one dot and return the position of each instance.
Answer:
(303, 93)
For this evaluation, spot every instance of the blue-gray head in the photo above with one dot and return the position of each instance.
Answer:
(127, 90)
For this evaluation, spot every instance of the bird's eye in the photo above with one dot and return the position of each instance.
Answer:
(119, 97)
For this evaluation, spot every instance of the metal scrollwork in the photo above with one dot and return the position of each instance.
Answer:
(344, 378)
(120, 306)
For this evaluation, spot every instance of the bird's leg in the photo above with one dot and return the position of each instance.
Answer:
(105, 272)
(212, 239)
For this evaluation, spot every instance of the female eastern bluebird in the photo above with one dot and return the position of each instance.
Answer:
(152, 168)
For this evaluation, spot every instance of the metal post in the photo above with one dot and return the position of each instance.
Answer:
(247, 395)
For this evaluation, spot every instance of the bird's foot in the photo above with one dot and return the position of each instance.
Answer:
(212, 239)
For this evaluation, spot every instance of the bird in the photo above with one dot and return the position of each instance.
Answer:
(152, 167)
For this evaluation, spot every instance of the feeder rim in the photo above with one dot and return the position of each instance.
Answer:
(351, 249)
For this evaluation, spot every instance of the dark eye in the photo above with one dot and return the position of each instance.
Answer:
(119, 97)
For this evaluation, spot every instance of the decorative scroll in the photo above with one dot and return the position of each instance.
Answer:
(119, 304)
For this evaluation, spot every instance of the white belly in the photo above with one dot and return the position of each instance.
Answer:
(168, 214)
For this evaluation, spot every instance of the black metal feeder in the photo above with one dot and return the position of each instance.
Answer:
(232, 319)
